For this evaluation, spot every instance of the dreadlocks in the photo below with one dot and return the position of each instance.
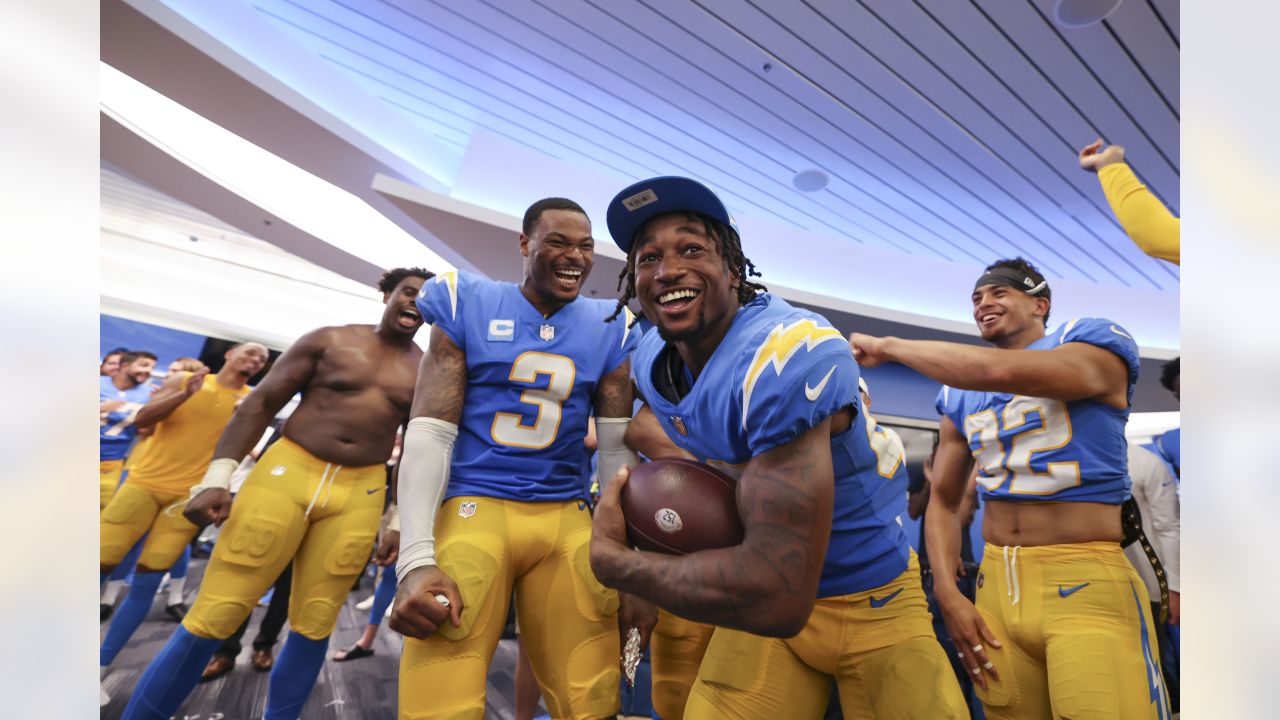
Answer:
(728, 244)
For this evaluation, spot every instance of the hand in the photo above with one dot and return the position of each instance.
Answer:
(869, 351)
(636, 612)
(195, 382)
(388, 549)
(1175, 607)
(210, 506)
(1093, 160)
(416, 612)
(609, 526)
(968, 631)
(106, 406)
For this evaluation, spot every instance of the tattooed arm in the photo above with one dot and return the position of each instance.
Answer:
(423, 475)
(766, 585)
(442, 380)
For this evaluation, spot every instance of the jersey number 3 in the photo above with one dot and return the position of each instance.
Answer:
(509, 428)
(1014, 463)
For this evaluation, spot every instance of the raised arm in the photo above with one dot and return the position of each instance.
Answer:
(943, 524)
(1144, 218)
(426, 597)
(766, 585)
(1071, 371)
(177, 389)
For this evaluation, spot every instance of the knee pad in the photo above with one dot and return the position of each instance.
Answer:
(474, 562)
(315, 617)
(594, 676)
(595, 601)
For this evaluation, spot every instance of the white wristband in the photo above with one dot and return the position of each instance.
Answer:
(217, 476)
(393, 519)
(614, 453)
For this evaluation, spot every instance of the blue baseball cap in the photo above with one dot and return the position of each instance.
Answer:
(634, 206)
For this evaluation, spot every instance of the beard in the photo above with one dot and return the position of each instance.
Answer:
(689, 334)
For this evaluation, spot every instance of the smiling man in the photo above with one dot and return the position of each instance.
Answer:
(824, 584)
(314, 497)
(120, 396)
(512, 375)
(1061, 627)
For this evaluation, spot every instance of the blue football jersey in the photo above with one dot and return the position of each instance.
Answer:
(530, 385)
(1030, 448)
(116, 431)
(779, 372)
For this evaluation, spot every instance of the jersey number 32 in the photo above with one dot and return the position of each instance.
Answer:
(1013, 463)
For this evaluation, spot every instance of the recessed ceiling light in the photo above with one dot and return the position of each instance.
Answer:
(810, 180)
(1082, 13)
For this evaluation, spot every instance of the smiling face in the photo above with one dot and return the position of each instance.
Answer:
(401, 315)
(559, 252)
(139, 370)
(110, 364)
(683, 283)
(1005, 315)
(247, 359)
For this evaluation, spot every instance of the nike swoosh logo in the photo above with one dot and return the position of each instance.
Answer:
(370, 492)
(1120, 332)
(1063, 592)
(813, 392)
(875, 603)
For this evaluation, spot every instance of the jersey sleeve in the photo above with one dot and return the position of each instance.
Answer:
(1108, 336)
(948, 404)
(625, 340)
(439, 302)
(796, 378)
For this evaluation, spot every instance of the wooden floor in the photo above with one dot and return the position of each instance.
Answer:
(356, 690)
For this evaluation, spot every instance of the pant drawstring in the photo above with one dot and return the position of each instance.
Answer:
(325, 479)
(1011, 570)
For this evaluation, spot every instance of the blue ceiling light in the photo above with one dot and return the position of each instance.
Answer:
(1082, 13)
(810, 180)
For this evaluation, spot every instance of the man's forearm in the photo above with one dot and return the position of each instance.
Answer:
(158, 409)
(731, 587)
(955, 364)
(942, 533)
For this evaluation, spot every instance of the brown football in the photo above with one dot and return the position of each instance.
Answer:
(680, 506)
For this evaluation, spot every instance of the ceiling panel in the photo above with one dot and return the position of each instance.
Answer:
(948, 128)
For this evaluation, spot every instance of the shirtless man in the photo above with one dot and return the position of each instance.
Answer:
(315, 497)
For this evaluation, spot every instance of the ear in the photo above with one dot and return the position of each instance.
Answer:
(1042, 307)
(385, 297)
(524, 245)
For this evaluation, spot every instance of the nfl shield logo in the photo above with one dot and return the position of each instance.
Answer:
(679, 423)
(467, 509)
(547, 332)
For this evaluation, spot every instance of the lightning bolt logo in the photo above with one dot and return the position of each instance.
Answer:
(450, 279)
(782, 343)
(629, 317)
